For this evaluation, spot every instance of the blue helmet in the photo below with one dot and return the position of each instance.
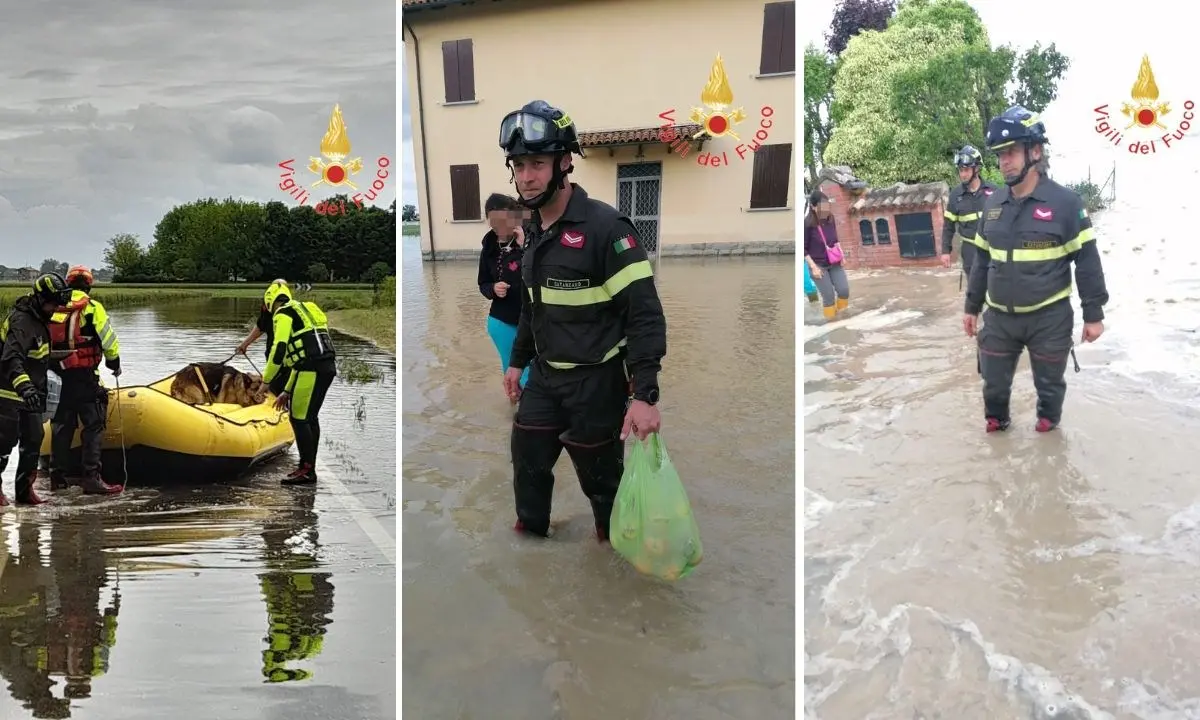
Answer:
(968, 157)
(1015, 125)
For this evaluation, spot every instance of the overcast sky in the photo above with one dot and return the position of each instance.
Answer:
(112, 113)
(1105, 51)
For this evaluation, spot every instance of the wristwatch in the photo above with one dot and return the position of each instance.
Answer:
(650, 397)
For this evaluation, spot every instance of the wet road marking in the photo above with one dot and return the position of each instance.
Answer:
(369, 524)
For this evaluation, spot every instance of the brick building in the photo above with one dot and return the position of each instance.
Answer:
(895, 226)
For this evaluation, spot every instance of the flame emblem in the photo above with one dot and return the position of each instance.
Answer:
(335, 147)
(1146, 111)
(716, 96)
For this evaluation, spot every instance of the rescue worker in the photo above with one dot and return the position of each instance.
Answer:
(300, 368)
(1032, 231)
(80, 336)
(262, 326)
(24, 363)
(591, 323)
(965, 207)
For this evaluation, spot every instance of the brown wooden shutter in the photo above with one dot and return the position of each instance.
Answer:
(464, 192)
(781, 170)
(760, 184)
(772, 170)
(787, 45)
(466, 70)
(772, 37)
(450, 70)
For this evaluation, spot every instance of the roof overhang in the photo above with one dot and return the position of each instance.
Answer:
(639, 137)
(416, 6)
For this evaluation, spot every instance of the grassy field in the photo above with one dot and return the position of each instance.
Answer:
(410, 230)
(375, 324)
(350, 307)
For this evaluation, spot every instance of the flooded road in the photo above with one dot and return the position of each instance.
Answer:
(245, 600)
(497, 625)
(952, 574)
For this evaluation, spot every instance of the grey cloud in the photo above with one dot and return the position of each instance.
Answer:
(166, 102)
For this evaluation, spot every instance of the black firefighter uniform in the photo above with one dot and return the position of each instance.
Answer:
(1024, 279)
(593, 324)
(962, 218)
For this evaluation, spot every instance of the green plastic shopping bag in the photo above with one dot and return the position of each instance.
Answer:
(652, 525)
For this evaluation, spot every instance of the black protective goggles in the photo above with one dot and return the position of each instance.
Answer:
(536, 131)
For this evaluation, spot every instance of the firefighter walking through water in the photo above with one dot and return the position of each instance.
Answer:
(1033, 230)
(300, 368)
(964, 209)
(80, 337)
(24, 363)
(591, 323)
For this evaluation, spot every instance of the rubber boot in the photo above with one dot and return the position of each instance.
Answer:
(94, 485)
(1045, 425)
(830, 312)
(306, 474)
(599, 469)
(996, 425)
(26, 475)
(842, 304)
(3, 464)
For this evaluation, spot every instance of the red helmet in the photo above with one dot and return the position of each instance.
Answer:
(79, 275)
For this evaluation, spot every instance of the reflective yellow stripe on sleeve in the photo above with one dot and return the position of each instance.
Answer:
(620, 280)
(9, 395)
(1044, 254)
(951, 216)
(39, 352)
(968, 217)
(20, 380)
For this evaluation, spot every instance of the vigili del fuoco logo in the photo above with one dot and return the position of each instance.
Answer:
(335, 171)
(717, 119)
(1147, 117)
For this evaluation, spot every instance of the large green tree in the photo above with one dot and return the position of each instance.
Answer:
(819, 72)
(867, 135)
(213, 240)
(934, 82)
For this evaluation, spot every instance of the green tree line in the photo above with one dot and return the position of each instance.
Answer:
(899, 88)
(213, 241)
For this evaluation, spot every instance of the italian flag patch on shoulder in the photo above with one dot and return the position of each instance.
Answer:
(624, 244)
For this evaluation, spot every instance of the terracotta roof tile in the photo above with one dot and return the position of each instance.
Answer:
(895, 196)
(632, 135)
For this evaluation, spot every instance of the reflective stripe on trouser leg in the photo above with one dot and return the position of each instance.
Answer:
(999, 350)
(302, 392)
(534, 452)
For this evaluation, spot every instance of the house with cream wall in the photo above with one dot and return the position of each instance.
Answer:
(685, 110)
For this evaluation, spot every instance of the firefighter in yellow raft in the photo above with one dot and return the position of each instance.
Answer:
(80, 336)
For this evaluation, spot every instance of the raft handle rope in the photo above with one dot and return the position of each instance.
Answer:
(121, 419)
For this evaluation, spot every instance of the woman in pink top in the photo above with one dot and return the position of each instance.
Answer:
(820, 236)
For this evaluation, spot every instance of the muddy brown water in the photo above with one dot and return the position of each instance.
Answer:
(501, 626)
(240, 600)
(952, 574)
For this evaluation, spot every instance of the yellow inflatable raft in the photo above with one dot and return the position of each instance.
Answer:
(165, 440)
